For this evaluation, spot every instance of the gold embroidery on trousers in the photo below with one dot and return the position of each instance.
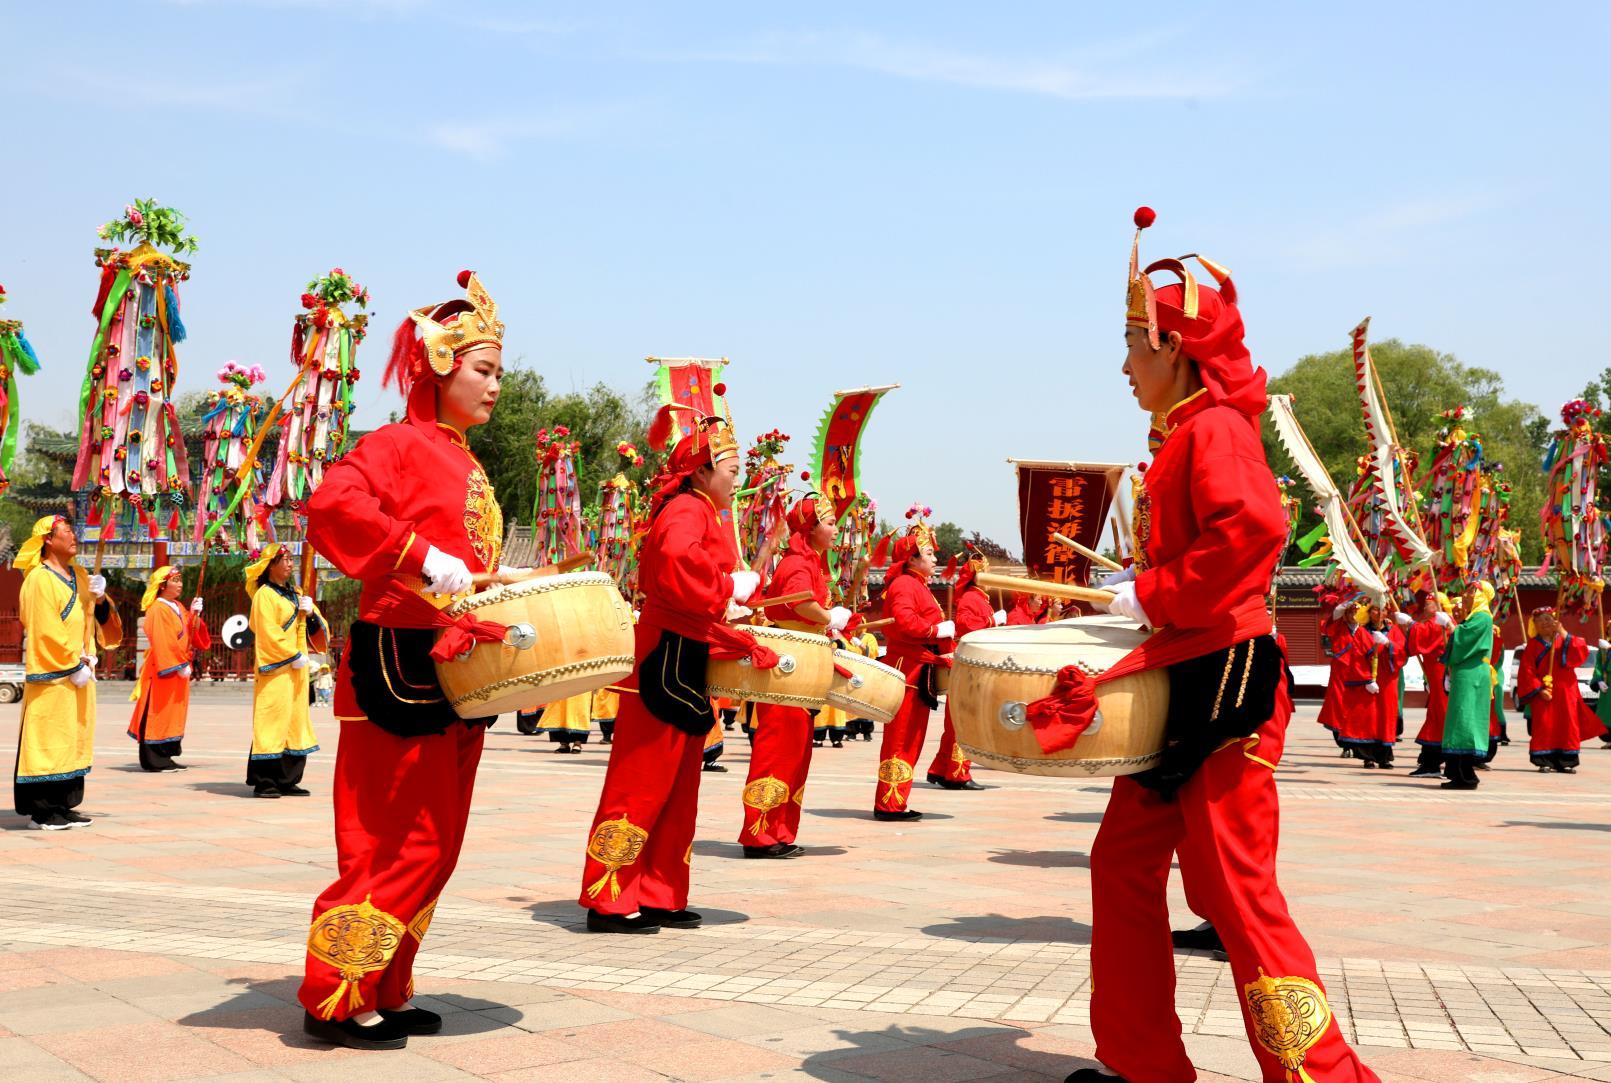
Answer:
(422, 921)
(894, 773)
(615, 845)
(763, 795)
(799, 795)
(1289, 1016)
(355, 940)
(959, 761)
(688, 858)
(408, 990)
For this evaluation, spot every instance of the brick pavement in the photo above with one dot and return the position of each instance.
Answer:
(1461, 936)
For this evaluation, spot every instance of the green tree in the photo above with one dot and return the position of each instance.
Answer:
(1419, 383)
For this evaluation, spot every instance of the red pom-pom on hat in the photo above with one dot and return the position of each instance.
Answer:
(719, 390)
(805, 475)
(1145, 216)
(464, 276)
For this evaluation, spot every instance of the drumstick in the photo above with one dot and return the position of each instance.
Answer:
(875, 624)
(781, 599)
(569, 564)
(1089, 554)
(1024, 585)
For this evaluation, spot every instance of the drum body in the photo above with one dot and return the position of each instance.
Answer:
(582, 640)
(800, 679)
(873, 690)
(1001, 670)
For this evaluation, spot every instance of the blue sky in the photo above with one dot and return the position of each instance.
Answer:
(831, 194)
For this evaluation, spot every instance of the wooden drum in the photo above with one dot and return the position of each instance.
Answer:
(800, 679)
(873, 690)
(568, 634)
(1000, 670)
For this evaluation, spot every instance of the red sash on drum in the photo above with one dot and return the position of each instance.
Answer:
(1059, 719)
(727, 642)
(460, 634)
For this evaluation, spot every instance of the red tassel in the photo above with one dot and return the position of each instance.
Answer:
(173, 522)
(297, 343)
(661, 428)
(94, 513)
(950, 568)
(408, 356)
(880, 555)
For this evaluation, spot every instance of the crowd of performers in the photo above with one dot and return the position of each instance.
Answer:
(1460, 651)
(409, 513)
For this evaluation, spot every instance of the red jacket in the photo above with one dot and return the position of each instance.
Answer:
(908, 600)
(685, 570)
(1211, 526)
(973, 611)
(404, 488)
(801, 568)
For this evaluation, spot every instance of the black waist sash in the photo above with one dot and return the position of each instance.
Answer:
(394, 680)
(671, 680)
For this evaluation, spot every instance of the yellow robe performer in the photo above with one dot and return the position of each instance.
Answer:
(64, 621)
(162, 697)
(283, 622)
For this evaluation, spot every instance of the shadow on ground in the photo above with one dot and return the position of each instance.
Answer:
(917, 1052)
(272, 1006)
(1046, 929)
(565, 914)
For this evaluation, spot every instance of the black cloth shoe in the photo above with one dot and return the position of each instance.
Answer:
(952, 784)
(936, 780)
(616, 923)
(75, 819)
(714, 767)
(1093, 1075)
(177, 766)
(897, 817)
(1426, 772)
(673, 919)
(294, 791)
(777, 849)
(414, 1020)
(49, 821)
(1458, 784)
(385, 1034)
(265, 789)
(1202, 938)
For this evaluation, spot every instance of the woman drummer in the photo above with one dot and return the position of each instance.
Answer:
(410, 513)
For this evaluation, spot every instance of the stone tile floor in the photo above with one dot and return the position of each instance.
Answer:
(1461, 936)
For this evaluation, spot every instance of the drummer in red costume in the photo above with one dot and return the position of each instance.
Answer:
(408, 512)
(1209, 524)
(951, 769)
(916, 643)
(640, 847)
(780, 752)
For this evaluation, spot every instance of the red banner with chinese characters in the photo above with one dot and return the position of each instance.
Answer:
(1071, 499)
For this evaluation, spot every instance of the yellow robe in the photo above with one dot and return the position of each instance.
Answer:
(571, 714)
(57, 740)
(606, 702)
(281, 725)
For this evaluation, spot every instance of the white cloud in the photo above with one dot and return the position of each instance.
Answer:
(1388, 235)
(492, 138)
(1099, 71)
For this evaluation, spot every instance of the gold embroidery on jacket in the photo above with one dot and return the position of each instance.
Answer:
(483, 519)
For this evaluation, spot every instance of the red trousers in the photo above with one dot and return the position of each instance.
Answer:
(780, 758)
(1224, 824)
(903, 740)
(949, 762)
(641, 845)
(401, 806)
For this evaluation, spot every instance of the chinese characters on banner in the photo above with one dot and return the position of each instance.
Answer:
(1071, 499)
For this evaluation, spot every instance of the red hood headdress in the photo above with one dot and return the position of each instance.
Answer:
(430, 340)
(917, 536)
(708, 441)
(969, 568)
(1207, 320)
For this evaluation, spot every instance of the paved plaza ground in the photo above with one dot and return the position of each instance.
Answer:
(1461, 936)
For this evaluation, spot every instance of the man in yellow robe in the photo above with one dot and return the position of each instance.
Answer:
(162, 696)
(284, 621)
(66, 619)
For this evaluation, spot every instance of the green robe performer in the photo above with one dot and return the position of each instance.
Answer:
(1601, 684)
(1471, 690)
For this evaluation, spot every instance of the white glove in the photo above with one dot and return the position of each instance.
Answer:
(304, 605)
(185, 672)
(1128, 575)
(1125, 603)
(1373, 688)
(1403, 618)
(195, 605)
(946, 629)
(84, 674)
(1337, 613)
(745, 584)
(737, 612)
(1444, 619)
(1445, 682)
(1379, 638)
(1604, 645)
(1001, 617)
(98, 585)
(299, 662)
(445, 574)
(838, 617)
